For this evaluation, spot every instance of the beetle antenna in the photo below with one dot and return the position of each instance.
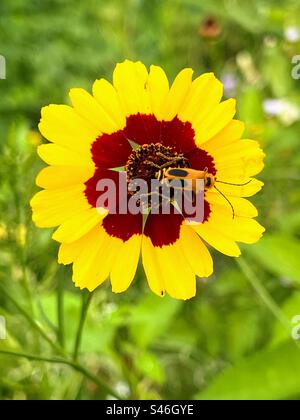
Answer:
(230, 183)
(223, 195)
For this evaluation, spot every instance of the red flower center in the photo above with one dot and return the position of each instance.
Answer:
(161, 143)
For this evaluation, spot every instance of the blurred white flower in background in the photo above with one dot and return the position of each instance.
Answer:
(292, 33)
(286, 111)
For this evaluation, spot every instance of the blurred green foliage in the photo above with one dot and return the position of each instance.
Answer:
(234, 339)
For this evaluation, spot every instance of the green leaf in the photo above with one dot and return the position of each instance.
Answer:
(272, 374)
(278, 254)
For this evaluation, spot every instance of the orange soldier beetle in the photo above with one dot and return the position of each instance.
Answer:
(189, 174)
(165, 172)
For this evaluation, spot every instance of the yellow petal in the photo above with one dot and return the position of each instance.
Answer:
(239, 161)
(241, 149)
(242, 207)
(205, 94)
(55, 177)
(228, 135)
(53, 207)
(247, 231)
(240, 229)
(158, 88)
(129, 80)
(125, 264)
(152, 267)
(241, 170)
(68, 253)
(208, 126)
(94, 263)
(61, 125)
(78, 225)
(217, 240)
(177, 94)
(240, 191)
(87, 107)
(195, 252)
(53, 154)
(168, 270)
(108, 99)
(179, 278)
(222, 230)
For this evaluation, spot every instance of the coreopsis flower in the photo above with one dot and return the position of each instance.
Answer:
(139, 124)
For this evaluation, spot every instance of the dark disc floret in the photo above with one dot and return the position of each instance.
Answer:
(148, 159)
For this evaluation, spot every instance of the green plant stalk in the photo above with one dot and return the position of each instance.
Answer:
(32, 322)
(60, 314)
(60, 360)
(263, 293)
(84, 309)
(76, 366)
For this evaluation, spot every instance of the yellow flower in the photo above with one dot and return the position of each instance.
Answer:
(185, 123)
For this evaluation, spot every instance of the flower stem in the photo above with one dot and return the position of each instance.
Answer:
(26, 282)
(76, 366)
(86, 300)
(263, 293)
(31, 321)
(59, 360)
(60, 313)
